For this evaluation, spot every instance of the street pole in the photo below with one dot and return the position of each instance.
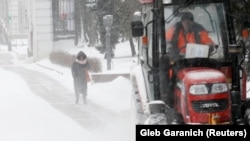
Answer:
(107, 22)
(108, 48)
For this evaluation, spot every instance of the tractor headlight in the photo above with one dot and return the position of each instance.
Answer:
(219, 88)
(208, 88)
(198, 89)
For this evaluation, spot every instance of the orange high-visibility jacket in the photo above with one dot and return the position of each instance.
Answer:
(191, 37)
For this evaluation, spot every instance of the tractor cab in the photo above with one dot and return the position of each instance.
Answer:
(208, 20)
(194, 74)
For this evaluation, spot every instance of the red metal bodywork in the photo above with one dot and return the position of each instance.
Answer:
(184, 101)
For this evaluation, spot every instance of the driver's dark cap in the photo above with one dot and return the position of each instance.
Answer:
(187, 16)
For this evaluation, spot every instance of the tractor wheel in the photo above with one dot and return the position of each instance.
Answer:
(247, 117)
(173, 117)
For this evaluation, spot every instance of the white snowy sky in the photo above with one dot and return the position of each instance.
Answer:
(27, 117)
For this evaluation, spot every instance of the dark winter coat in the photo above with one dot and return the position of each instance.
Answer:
(79, 76)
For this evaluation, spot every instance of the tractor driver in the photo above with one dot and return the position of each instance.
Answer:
(183, 32)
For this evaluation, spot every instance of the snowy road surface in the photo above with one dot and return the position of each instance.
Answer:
(35, 106)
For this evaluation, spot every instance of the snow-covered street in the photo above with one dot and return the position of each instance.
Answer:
(38, 104)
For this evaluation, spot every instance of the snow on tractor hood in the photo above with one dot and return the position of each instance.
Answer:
(201, 75)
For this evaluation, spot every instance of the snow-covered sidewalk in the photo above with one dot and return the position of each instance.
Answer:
(27, 117)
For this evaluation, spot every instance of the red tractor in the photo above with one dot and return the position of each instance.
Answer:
(202, 87)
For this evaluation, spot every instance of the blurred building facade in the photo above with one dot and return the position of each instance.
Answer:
(4, 23)
(40, 31)
(41, 22)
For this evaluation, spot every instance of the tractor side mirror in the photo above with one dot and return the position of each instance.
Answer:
(137, 28)
(137, 25)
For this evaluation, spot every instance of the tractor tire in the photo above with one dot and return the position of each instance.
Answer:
(174, 118)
